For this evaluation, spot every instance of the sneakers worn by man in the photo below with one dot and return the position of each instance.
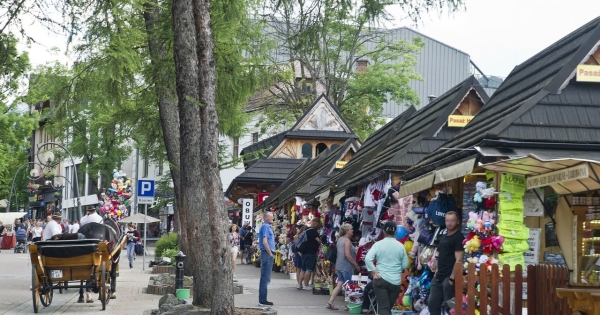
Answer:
(299, 287)
(265, 303)
(308, 287)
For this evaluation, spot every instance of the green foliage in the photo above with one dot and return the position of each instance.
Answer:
(166, 242)
(171, 253)
(16, 124)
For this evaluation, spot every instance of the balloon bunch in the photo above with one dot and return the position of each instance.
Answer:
(116, 199)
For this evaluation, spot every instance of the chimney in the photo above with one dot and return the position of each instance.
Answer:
(361, 65)
(431, 98)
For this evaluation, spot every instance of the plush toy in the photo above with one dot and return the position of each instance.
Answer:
(488, 221)
(479, 187)
(478, 225)
(497, 242)
(472, 220)
(473, 245)
(487, 247)
(490, 203)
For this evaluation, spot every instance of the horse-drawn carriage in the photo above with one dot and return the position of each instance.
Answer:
(89, 264)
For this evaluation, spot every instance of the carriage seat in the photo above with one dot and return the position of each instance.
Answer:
(67, 248)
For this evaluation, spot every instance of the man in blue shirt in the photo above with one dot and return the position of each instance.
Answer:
(243, 241)
(267, 248)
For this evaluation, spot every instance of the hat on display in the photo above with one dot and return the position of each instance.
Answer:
(389, 227)
(56, 216)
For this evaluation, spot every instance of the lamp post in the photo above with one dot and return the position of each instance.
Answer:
(33, 175)
(49, 162)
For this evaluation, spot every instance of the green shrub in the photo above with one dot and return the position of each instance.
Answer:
(167, 241)
(171, 253)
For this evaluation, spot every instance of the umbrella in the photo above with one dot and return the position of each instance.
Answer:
(139, 218)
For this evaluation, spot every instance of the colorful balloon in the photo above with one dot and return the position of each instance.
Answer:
(400, 232)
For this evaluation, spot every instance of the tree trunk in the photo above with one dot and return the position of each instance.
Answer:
(222, 283)
(193, 207)
(167, 108)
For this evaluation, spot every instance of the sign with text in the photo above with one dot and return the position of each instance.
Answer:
(459, 120)
(532, 256)
(145, 191)
(262, 197)
(512, 259)
(247, 211)
(340, 164)
(514, 203)
(514, 184)
(588, 73)
(564, 175)
(513, 230)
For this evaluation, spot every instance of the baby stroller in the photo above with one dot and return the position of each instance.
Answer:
(21, 246)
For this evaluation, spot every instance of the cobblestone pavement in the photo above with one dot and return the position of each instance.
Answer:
(15, 296)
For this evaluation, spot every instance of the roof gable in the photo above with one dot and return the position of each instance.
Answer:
(508, 114)
(323, 116)
(261, 149)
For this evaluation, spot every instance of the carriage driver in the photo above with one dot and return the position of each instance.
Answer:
(52, 228)
(91, 216)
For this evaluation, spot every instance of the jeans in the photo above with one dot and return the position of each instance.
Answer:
(130, 251)
(441, 291)
(386, 294)
(366, 302)
(266, 266)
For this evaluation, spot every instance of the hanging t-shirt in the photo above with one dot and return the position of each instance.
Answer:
(369, 200)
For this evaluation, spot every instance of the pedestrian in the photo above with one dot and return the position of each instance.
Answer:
(391, 262)
(37, 232)
(234, 241)
(74, 227)
(132, 237)
(345, 264)
(243, 232)
(2, 231)
(309, 253)
(450, 251)
(298, 258)
(266, 243)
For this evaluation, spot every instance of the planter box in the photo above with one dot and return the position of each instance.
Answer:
(164, 269)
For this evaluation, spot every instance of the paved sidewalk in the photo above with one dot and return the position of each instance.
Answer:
(15, 296)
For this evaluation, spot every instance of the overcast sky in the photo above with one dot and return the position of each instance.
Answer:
(497, 34)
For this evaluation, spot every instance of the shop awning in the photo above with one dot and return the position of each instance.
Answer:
(566, 172)
(416, 185)
(454, 171)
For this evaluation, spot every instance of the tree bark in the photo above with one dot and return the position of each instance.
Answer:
(193, 214)
(167, 108)
(222, 283)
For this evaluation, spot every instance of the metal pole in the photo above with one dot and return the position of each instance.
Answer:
(144, 256)
(134, 206)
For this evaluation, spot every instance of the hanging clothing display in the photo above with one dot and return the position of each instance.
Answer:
(368, 220)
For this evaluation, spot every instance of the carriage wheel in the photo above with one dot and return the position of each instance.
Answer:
(104, 287)
(34, 290)
(46, 295)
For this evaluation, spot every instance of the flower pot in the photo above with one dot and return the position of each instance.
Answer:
(318, 285)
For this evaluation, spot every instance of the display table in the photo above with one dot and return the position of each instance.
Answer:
(581, 300)
(8, 241)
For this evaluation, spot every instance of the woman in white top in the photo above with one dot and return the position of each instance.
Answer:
(37, 232)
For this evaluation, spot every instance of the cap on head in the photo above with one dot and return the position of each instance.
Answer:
(389, 227)
(90, 208)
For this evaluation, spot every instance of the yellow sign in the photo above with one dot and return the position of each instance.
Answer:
(514, 184)
(340, 164)
(514, 232)
(511, 215)
(512, 259)
(588, 73)
(459, 120)
(514, 203)
(515, 246)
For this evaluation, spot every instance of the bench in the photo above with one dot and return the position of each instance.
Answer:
(67, 248)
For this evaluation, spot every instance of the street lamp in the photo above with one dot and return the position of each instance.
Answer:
(49, 161)
(34, 174)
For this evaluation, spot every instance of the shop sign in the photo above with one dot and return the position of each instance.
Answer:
(514, 184)
(514, 230)
(588, 73)
(533, 205)
(459, 120)
(532, 256)
(247, 208)
(514, 246)
(262, 197)
(340, 164)
(512, 203)
(512, 259)
(564, 175)
(40, 197)
(511, 215)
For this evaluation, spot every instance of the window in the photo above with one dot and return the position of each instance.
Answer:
(236, 147)
(146, 167)
(334, 146)
(255, 137)
(307, 150)
(321, 147)
(160, 168)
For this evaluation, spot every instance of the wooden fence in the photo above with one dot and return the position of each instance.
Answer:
(501, 292)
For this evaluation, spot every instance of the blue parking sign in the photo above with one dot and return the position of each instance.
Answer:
(145, 191)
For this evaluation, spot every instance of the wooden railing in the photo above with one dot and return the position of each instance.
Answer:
(501, 291)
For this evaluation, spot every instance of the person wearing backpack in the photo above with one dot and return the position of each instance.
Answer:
(308, 252)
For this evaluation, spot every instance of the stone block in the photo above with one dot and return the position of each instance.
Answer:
(174, 310)
(168, 299)
(200, 311)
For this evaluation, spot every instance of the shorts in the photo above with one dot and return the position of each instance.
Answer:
(343, 276)
(234, 249)
(309, 262)
(297, 261)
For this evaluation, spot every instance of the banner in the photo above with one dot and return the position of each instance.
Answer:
(521, 233)
(511, 215)
(564, 175)
(514, 184)
(247, 209)
(512, 259)
(514, 203)
(515, 246)
(532, 255)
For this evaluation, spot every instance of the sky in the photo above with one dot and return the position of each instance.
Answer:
(498, 35)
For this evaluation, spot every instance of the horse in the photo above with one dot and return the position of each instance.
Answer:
(109, 231)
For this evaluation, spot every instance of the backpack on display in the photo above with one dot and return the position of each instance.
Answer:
(300, 242)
